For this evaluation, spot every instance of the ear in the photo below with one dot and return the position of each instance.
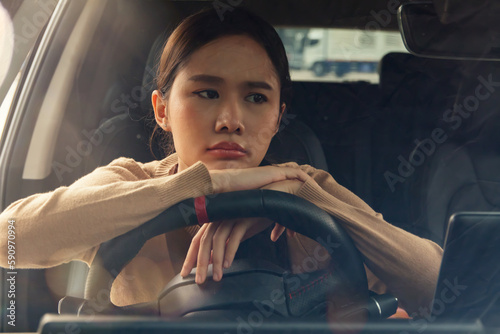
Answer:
(282, 112)
(160, 108)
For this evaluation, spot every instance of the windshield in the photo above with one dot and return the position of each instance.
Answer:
(381, 149)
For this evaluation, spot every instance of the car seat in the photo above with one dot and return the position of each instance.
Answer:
(127, 135)
(463, 172)
(415, 93)
(457, 174)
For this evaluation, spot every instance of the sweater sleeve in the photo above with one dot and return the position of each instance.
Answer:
(70, 223)
(407, 264)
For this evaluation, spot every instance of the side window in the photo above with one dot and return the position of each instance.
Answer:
(21, 23)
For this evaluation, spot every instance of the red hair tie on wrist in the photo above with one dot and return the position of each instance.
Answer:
(201, 210)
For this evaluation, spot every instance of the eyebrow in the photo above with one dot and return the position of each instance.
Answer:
(206, 78)
(218, 80)
(258, 84)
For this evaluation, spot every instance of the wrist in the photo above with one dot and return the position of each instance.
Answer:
(219, 179)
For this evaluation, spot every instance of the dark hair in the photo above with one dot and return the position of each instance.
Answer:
(203, 27)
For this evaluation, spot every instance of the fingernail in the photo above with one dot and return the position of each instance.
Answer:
(216, 276)
(226, 264)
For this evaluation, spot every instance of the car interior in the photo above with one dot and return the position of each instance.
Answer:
(400, 144)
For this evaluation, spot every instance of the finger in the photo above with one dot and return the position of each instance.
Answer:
(277, 232)
(299, 175)
(219, 247)
(192, 253)
(290, 233)
(204, 252)
(237, 234)
(277, 174)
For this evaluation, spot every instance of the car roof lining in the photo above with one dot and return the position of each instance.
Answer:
(300, 13)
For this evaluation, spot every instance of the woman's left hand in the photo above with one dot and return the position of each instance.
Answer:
(218, 242)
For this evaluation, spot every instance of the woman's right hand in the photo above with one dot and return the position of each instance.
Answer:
(226, 180)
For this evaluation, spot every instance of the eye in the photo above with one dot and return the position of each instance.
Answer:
(207, 94)
(256, 98)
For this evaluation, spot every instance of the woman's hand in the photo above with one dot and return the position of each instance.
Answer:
(218, 242)
(226, 180)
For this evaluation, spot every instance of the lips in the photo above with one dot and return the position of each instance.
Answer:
(227, 150)
(224, 145)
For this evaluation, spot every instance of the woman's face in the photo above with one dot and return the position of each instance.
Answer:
(224, 105)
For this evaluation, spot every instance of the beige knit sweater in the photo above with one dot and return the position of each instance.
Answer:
(70, 223)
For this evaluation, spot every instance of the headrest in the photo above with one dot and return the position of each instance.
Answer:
(479, 95)
(408, 80)
(148, 80)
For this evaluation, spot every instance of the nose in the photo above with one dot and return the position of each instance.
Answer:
(230, 117)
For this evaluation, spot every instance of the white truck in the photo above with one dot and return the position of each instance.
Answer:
(346, 50)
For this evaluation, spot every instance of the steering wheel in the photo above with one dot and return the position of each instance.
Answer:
(247, 285)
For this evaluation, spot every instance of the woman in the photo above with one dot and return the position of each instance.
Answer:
(222, 88)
